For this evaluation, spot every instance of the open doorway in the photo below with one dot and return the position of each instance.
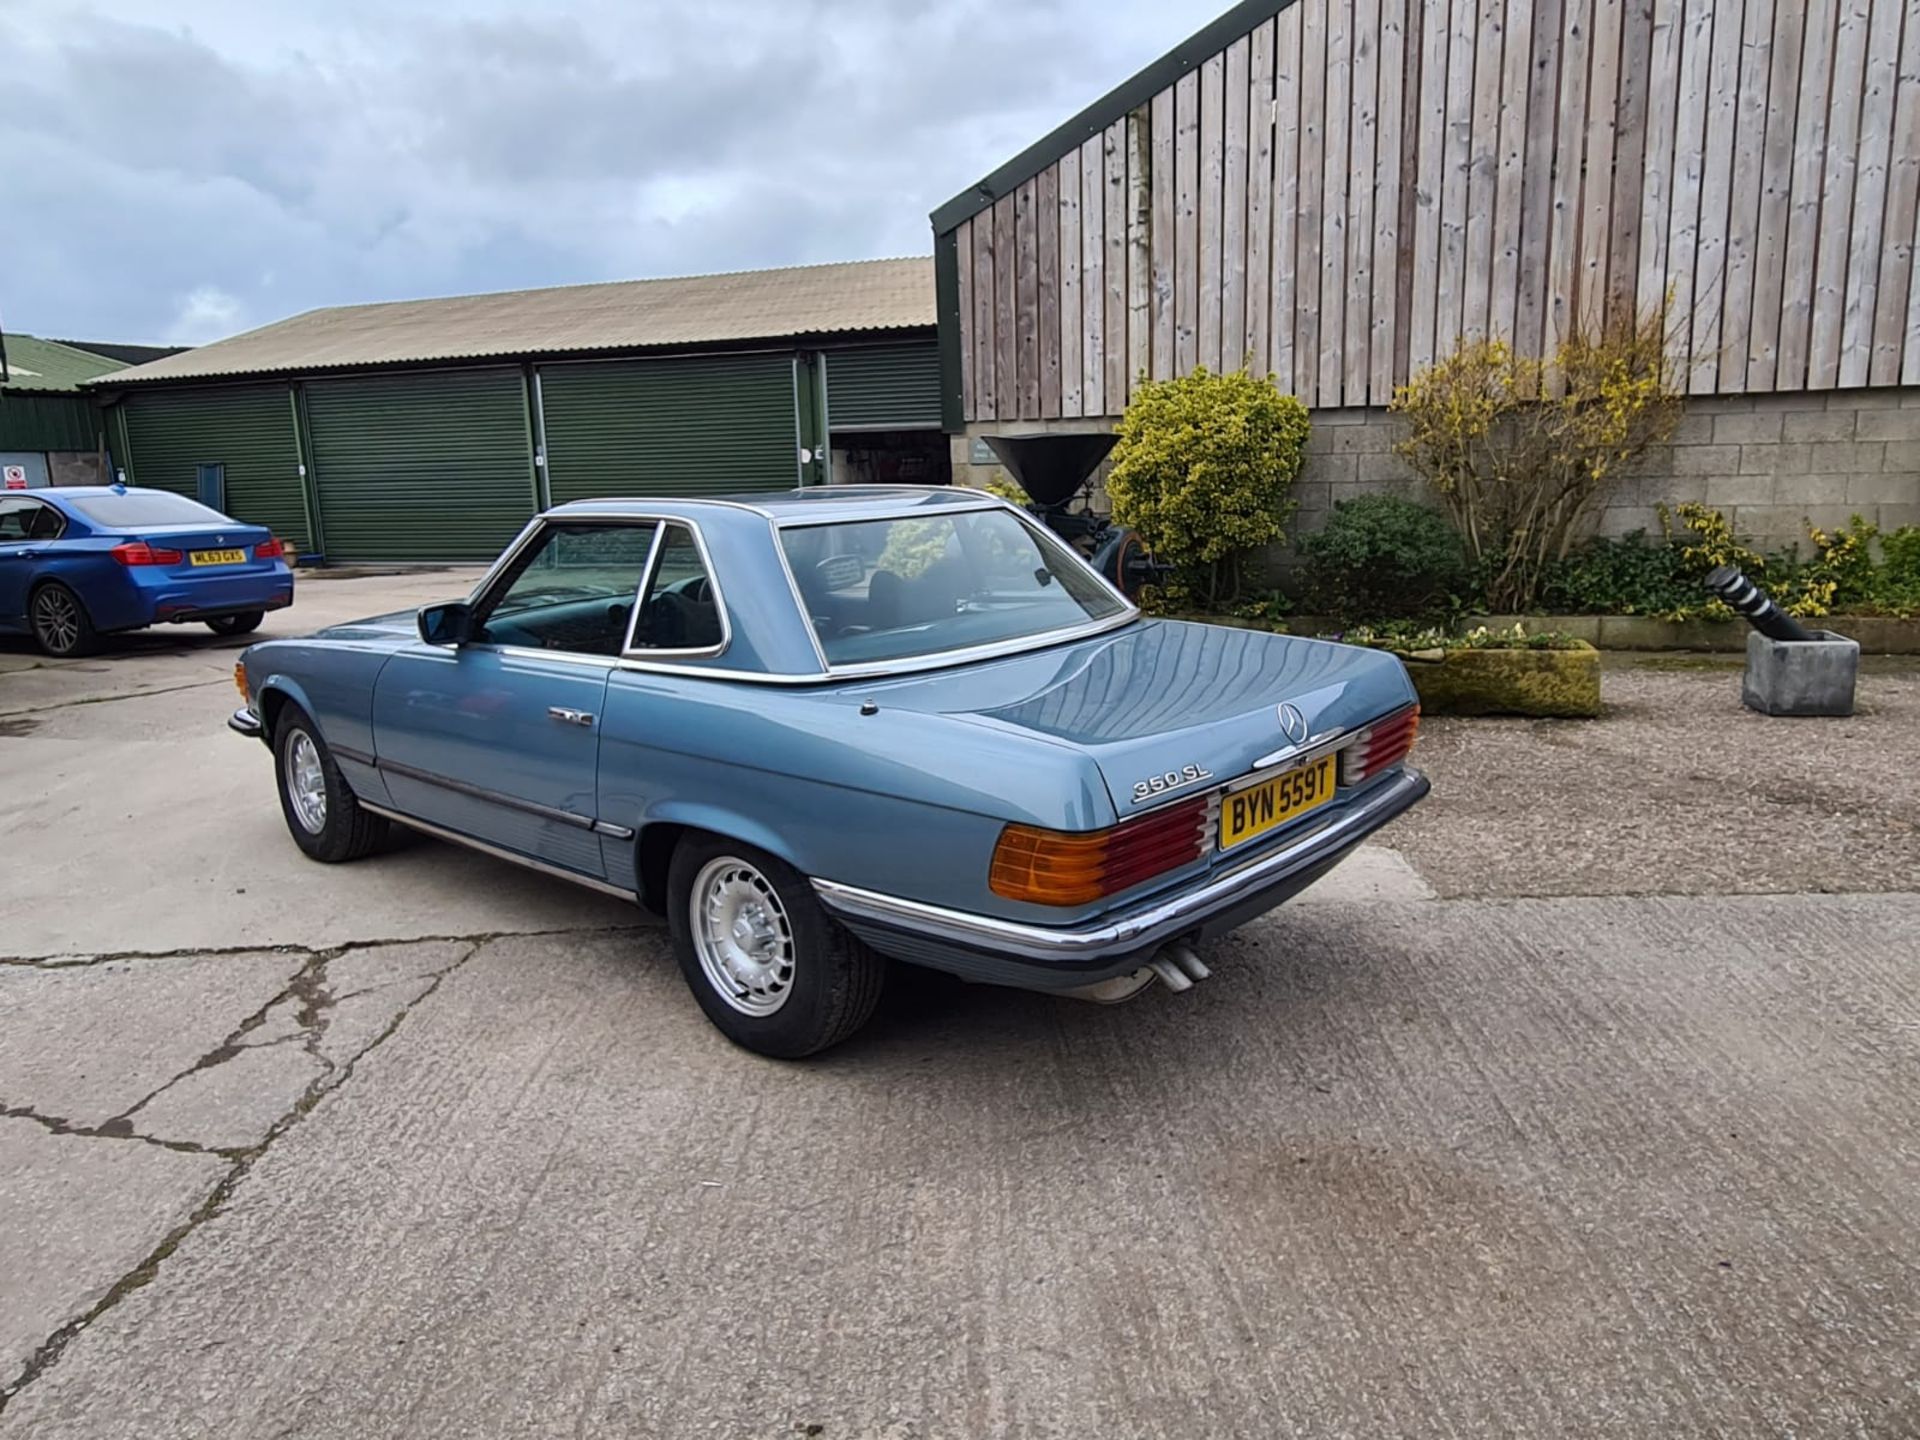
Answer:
(891, 457)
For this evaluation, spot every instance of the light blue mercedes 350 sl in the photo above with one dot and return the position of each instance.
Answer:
(823, 729)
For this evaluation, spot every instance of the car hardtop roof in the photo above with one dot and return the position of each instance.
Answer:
(819, 504)
(83, 492)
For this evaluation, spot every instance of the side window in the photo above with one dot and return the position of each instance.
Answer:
(15, 517)
(680, 610)
(44, 522)
(571, 590)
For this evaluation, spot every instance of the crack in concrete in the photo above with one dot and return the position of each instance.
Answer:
(82, 962)
(48, 1353)
(110, 699)
(109, 1130)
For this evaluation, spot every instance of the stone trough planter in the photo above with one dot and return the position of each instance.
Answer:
(1558, 684)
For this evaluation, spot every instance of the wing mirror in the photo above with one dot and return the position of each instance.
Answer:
(448, 624)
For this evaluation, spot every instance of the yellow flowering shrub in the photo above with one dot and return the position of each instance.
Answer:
(1204, 470)
(1523, 451)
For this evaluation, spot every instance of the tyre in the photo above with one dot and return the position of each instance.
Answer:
(245, 623)
(61, 625)
(771, 969)
(322, 814)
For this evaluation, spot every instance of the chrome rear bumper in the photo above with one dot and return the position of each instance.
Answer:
(1012, 952)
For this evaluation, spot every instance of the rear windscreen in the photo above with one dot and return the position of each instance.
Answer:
(137, 511)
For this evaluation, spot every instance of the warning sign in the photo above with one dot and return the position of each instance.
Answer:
(15, 477)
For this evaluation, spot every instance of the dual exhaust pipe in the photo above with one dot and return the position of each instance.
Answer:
(1177, 966)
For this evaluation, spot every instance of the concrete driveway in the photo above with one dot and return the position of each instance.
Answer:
(426, 1146)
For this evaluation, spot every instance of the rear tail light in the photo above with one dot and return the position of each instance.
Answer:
(138, 552)
(1383, 743)
(269, 549)
(1059, 867)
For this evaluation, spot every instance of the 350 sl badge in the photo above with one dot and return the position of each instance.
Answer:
(1172, 780)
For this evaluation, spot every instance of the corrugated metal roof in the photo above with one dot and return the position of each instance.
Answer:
(621, 315)
(36, 364)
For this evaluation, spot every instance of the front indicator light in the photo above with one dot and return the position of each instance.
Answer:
(240, 682)
(1064, 867)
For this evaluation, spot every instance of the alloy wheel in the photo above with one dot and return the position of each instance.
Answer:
(306, 783)
(56, 620)
(742, 936)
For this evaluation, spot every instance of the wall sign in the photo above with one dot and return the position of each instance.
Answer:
(16, 477)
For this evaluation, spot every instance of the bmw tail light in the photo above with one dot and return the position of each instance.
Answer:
(1383, 743)
(269, 549)
(1061, 867)
(138, 552)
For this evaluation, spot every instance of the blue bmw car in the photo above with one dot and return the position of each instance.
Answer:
(825, 730)
(80, 562)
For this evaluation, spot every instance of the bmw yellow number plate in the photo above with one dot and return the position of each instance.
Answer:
(217, 557)
(1272, 803)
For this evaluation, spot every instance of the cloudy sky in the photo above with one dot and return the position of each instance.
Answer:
(238, 161)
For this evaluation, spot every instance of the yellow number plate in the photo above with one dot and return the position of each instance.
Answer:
(1260, 808)
(217, 557)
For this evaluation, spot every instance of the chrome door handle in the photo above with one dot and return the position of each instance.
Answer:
(569, 717)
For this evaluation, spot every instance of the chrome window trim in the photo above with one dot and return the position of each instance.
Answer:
(541, 522)
(943, 659)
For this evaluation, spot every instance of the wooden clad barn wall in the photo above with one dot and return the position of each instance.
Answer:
(1342, 193)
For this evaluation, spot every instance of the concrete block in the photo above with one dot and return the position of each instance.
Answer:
(1390, 468)
(1693, 430)
(1826, 425)
(1774, 458)
(1858, 457)
(1811, 489)
(1725, 490)
(1903, 456)
(1772, 526)
(1878, 489)
(1706, 459)
(1754, 428)
(1336, 469)
(1888, 399)
(1888, 425)
(1801, 677)
(1892, 517)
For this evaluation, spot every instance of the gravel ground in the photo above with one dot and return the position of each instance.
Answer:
(1677, 789)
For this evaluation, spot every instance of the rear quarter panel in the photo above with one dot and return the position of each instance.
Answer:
(899, 801)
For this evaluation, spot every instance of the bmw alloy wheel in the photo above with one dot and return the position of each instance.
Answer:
(56, 619)
(742, 936)
(306, 783)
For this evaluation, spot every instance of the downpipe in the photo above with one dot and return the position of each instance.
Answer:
(1176, 965)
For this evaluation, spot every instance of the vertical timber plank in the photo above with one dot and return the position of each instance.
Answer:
(1363, 135)
(1689, 157)
(1261, 128)
(1837, 194)
(1450, 302)
(1563, 243)
(1163, 235)
(986, 393)
(1212, 202)
(1903, 203)
(1046, 224)
(1313, 115)
(1114, 331)
(1093, 278)
(1286, 195)
(1716, 180)
(1006, 378)
(1139, 246)
(1027, 299)
(963, 242)
(1483, 167)
(1336, 135)
(1407, 183)
(1629, 161)
(1536, 187)
(1776, 188)
(1071, 341)
(1870, 193)
(1384, 281)
(1233, 211)
(1803, 213)
(1743, 212)
(1596, 201)
(1515, 60)
(1186, 223)
(1430, 147)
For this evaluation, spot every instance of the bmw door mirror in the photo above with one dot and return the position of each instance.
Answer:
(449, 624)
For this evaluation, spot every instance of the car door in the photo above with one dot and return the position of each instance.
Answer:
(27, 528)
(497, 738)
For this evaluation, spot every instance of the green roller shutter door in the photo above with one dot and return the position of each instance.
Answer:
(248, 429)
(433, 466)
(894, 387)
(699, 425)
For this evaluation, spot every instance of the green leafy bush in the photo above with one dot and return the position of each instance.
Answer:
(1380, 557)
(1627, 576)
(1204, 470)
